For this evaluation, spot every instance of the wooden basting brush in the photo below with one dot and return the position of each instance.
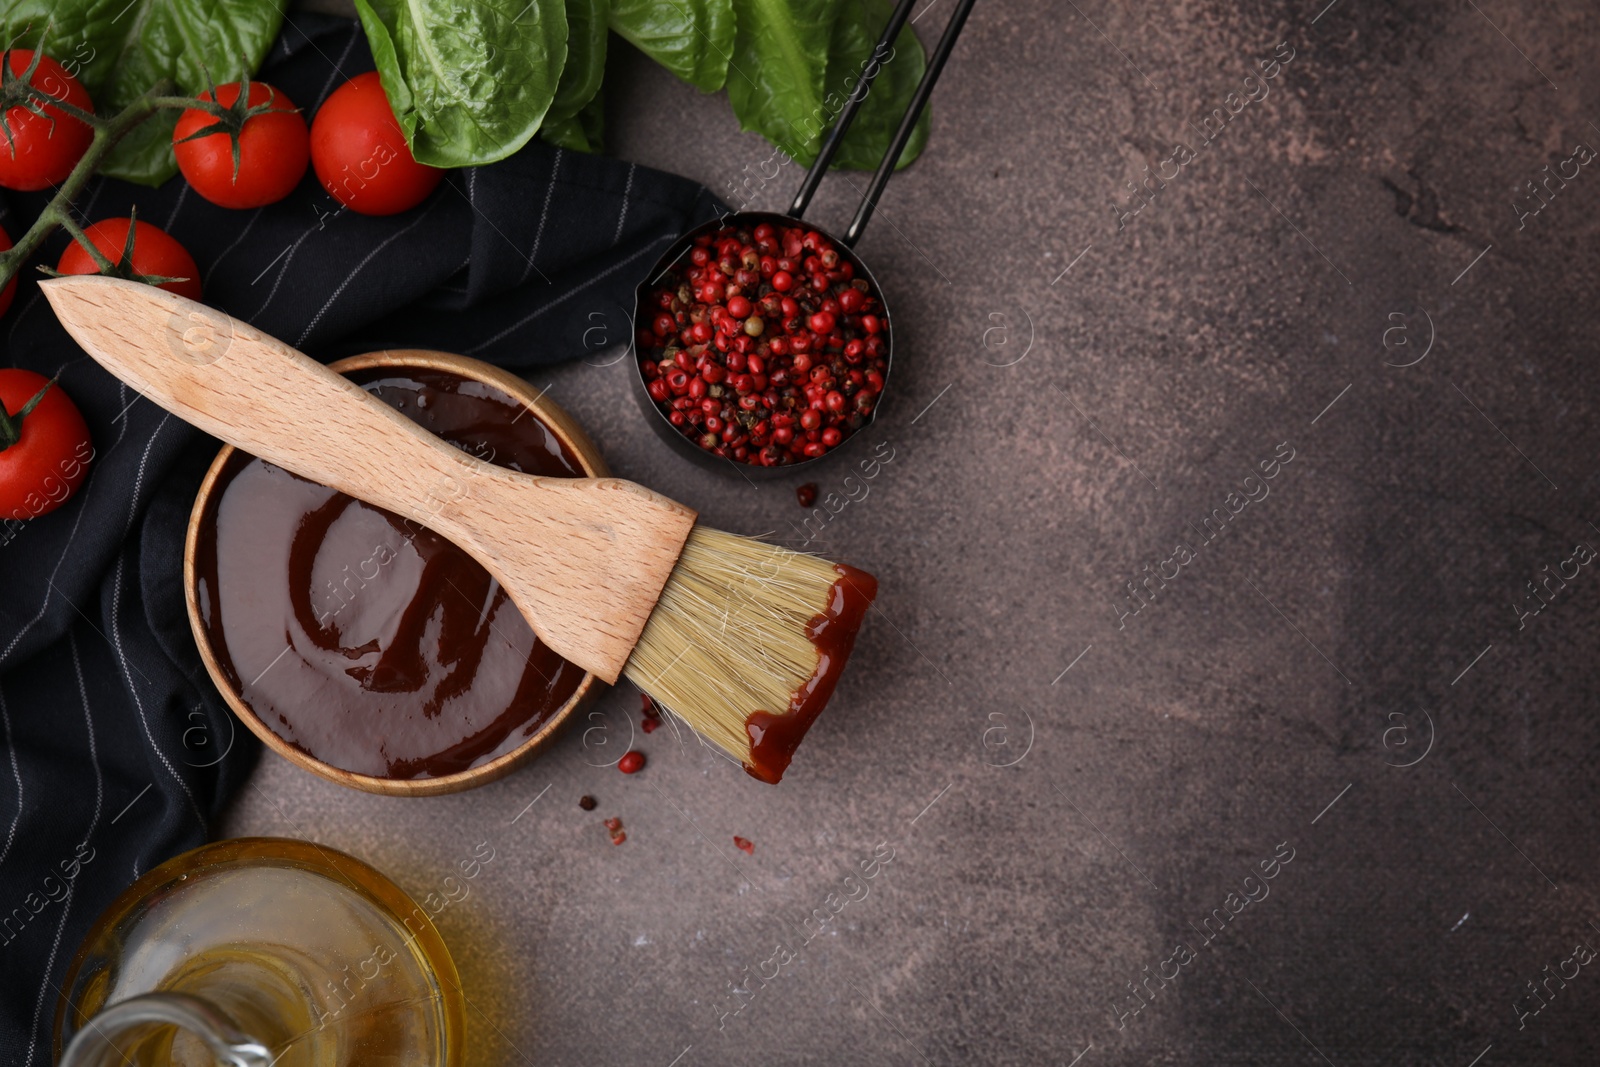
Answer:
(742, 628)
(742, 640)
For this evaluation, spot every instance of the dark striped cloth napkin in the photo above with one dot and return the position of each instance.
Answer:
(117, 752)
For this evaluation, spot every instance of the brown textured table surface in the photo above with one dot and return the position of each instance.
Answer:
(1080, 797)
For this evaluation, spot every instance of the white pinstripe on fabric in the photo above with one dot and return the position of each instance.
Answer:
(5, 719)
(50, 583)
(83, 509)
(337, 292)
(515, 326)
(283, 270)
(622, 215)
(94, 824)
(183, 195)
(337, 73)
(138, 704)
(224, 253)
(116, 635)
(544, 215)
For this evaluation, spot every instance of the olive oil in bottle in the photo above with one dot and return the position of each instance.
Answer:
(257, 952)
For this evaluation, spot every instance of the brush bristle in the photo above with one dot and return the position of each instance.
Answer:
(731, 636)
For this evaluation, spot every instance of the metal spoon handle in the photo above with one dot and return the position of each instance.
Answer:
(841, 125)
(919, 100)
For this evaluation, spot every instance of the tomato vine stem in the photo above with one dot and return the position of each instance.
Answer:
(108, 130)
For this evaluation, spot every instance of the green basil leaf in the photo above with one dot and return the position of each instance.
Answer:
(74, 33)
(691, 38)
(854, 35)
(593, 120)
(144, 155)
(776, 78)
(583, 131)
(470, 83)
(586, 58)
(565, 133)
(118, 49)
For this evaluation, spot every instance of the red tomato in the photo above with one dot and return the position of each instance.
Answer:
(11, 287)
(274, 148)
(154, 252)
(43, 149)
(360, 155)
(44, 465)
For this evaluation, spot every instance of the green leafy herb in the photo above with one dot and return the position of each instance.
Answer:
(777, 74)
(118, 49)
(73, 31)
(583, 132)
(854, 35)
(470, 83)
(593, 120)
(692, 38)
(586, 58)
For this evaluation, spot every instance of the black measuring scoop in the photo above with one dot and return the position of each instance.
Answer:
(844, 246)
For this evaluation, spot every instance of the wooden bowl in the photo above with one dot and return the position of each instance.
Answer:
(561, 425)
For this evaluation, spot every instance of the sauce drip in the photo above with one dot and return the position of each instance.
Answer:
(361, 638)
(773, 738)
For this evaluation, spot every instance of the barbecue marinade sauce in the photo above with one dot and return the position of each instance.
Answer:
(366, 640)
(775, 736)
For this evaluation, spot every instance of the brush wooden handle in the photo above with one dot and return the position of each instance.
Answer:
(585, 559)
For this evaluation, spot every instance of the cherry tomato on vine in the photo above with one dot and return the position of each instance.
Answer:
(361, 155)
(45, 451)
(11, 287)
(42, 149)
(274, 147)
(155, 252)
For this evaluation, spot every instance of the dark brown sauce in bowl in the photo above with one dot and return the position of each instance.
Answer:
(366, 641)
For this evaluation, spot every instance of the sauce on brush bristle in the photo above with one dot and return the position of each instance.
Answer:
(747, 642)
(773, 738)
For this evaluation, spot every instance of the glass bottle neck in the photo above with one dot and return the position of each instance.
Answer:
(162, 1028)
